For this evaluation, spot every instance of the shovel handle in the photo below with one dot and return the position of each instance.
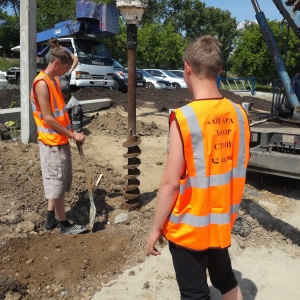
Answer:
(86, 173)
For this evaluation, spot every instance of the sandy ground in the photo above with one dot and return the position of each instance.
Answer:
(262, 274)
(264, 271)
(110, 263)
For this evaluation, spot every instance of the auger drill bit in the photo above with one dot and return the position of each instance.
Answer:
(131, 191)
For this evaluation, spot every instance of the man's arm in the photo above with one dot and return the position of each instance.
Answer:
(75, 62)
(169, 187)
(42, 94)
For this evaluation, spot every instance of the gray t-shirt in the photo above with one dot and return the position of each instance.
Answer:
(75, 113)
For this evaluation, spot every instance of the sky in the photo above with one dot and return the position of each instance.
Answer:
(243, 9)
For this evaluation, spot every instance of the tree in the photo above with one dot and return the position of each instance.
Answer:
(50, 12)
(13, 4)
(223, 27)
(160, 46)
(192, 18)
(9, 32)
(252, 58)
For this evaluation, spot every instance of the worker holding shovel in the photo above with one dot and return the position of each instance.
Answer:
(54, 131)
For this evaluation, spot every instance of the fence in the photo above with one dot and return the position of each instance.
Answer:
(237, 84)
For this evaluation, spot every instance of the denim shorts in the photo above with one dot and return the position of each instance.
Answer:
(56, 166)
(190, 268)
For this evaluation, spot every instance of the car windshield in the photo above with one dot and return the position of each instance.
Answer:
(91, 49)
(178, 73)
(117, 65)
(145, 73)
(170, 74)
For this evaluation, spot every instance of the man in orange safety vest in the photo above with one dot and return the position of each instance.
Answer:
(203, 181)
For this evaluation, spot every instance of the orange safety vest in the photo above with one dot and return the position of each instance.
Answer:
(216, 138)
(45, 133)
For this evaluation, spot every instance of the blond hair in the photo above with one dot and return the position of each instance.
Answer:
(61, 54)
(204, 56)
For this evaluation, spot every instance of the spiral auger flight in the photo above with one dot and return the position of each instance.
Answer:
(131, 190)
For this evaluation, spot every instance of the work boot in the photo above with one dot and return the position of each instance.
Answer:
(51, 221)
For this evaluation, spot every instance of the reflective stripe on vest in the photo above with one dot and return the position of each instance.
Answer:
(202, 181)
(199, 220)
(46, 134)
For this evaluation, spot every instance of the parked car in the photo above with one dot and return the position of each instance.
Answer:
(120, 82)
(178, 73)
(140, 80)
(176, 81)
(13, 75)
(121, 78)
(3, 81)
(154, 83)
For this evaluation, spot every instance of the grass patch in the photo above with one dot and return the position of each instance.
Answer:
(264, 88)
(6, 63)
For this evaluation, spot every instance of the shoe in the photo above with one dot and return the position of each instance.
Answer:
(72, 229)
(51, 225)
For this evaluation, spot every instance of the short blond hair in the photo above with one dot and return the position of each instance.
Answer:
(204, 56)
(61, 54)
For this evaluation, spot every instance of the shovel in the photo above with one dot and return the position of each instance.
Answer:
(88, 181)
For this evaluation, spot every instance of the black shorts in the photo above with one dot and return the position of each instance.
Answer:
(190, 268)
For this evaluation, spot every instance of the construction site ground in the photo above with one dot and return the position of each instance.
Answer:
(110, 262)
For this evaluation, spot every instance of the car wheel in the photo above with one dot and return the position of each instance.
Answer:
(116, 85)
(149, 85)
(176, 85)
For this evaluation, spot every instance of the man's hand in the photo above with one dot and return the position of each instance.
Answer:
(78, 137)
(153, 237)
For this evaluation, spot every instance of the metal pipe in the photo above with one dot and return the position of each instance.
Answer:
(131, 56)
(293, 101)
(255, 6)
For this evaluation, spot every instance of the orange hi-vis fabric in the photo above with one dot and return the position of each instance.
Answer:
(216, 137)
(46, 134)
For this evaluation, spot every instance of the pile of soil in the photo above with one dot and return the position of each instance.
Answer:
(152, 98)
(46, 265)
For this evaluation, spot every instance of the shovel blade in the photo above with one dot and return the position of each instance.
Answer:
(92, 214)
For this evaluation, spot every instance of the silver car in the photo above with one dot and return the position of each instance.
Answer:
(176, 81)
(178, 73)
(154, 83)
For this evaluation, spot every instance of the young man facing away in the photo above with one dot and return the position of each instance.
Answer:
(204, 178)
(54, 131)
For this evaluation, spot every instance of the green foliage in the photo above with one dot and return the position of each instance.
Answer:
(9, 32)
(264, 88)
(13, 104)
(13, 4)
(50, 12)
(190, 19)
(159, 46)
(252, 57)
(6, 63)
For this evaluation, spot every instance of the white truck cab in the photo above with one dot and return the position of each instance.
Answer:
(95, 65)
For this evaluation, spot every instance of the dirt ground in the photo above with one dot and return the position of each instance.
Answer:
(41, 265)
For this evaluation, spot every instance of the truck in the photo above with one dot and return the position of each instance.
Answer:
(275, 135)
(82, 37)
